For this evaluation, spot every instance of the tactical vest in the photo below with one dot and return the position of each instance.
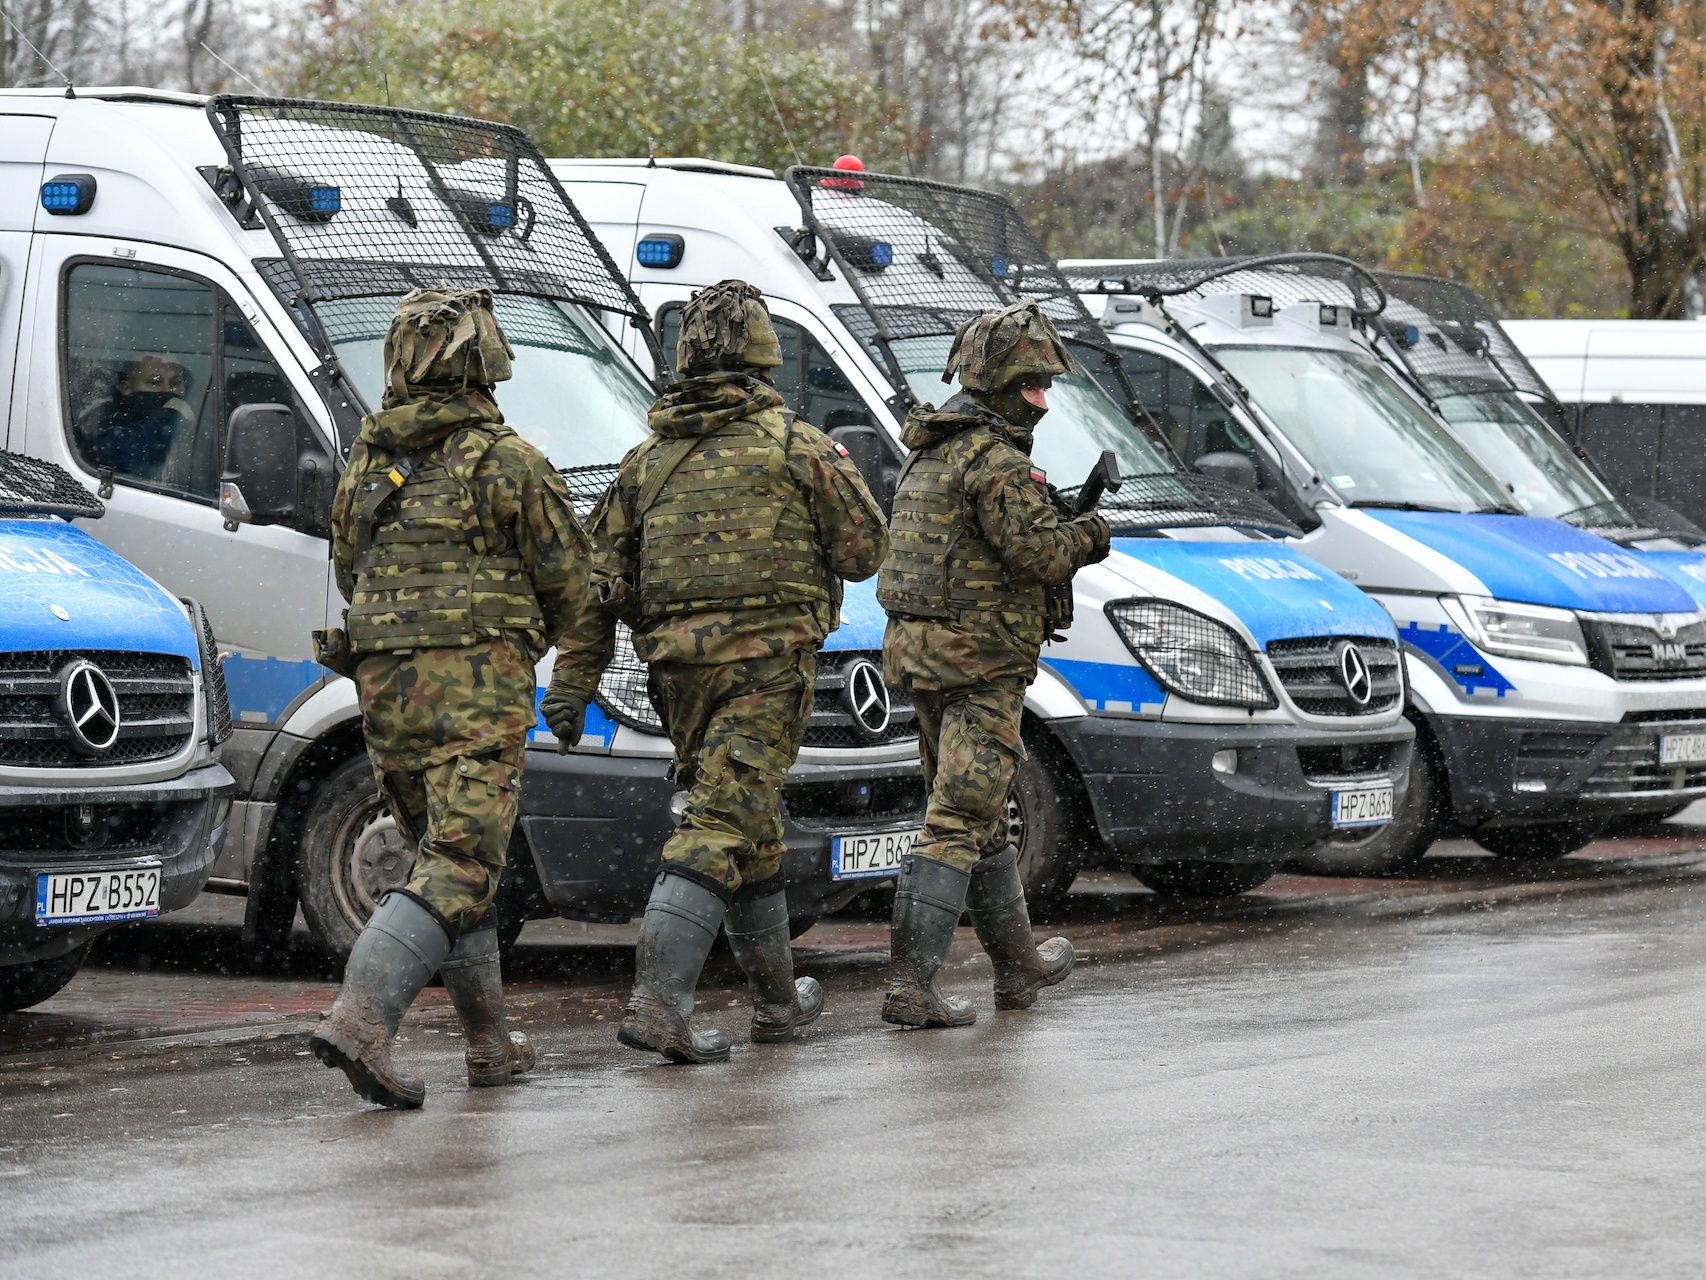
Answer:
(725, 526)
(940, 565)
(424, 575)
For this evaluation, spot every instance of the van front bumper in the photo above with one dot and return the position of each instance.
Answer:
(1515, 772)
(180, 824)
(1156, 796)
(596, 826)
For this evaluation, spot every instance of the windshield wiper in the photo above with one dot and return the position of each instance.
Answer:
(1381, 504)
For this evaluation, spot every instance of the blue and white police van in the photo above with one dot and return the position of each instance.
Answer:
(1221, 700)
(1550, 672)
(219, 275)
(113, 803)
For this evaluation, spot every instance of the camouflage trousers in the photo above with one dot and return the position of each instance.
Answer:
(737, 729)
(458, 816)
(969, 745)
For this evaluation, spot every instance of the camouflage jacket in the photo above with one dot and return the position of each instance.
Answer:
(423, 706)
(848, 525)
(1008, 500)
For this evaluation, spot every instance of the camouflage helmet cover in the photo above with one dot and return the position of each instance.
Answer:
(445, 336)
(726, 324)
(994, 350)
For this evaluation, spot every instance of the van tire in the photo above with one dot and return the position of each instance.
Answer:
(349, 855)
(1043, 823)
(1198, 880)
(27, 984)
(1539, 843)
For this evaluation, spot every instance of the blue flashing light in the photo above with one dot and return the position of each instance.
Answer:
(882, 254)
(325, 201)
(660, 250)
(500, 217)
(998, 268)
(68, 194)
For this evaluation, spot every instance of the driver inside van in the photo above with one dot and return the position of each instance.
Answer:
(133, 431)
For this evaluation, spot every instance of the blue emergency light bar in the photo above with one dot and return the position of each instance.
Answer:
(998, 268)
(68, 194)
(660, 250)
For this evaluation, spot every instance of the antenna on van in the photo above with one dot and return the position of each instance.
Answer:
(774, 106)
(233, 70)
(70, 92)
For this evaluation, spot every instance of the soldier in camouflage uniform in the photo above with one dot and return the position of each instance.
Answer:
(722, 543)
(456, 545)
(976, 543)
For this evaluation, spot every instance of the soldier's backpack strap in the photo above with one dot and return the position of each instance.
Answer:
(662, 468)
(367, 514)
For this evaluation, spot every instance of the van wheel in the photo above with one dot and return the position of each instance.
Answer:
(1042, 825)
(1537, 843)
(1193, 880)
(1401, 844)
(349, 856)
(23, 985)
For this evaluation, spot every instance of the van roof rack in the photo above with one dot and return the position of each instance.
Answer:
(1449, 339)
(1287, 278)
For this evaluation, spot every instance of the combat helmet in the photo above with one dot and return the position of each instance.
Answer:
(445, 338)
(727, 326)
(997, 349)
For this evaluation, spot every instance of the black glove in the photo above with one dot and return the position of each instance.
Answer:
(565, 716)
(1101, 540)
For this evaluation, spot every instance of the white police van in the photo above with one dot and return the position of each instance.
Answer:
(1538, 654)
(113, 803)
(1220, 701)
(198, 292)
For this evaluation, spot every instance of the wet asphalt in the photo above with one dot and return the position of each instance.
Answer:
(1472, 1075)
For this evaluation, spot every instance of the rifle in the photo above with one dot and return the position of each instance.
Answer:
(1104, 478)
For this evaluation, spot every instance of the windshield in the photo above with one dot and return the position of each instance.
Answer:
(575, 394)
(1082, 419)
(1356, 426)
(1542, 474)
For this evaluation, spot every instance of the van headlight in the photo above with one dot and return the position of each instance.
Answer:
(1519, 630)
(622, 689)
(1190, 654)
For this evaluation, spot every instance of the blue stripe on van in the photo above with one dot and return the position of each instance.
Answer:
(1111, 686)
(266, 686)
(1462, 662)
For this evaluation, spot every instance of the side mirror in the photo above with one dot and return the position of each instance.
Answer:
(258, 485)
(865, 450)
(1226, 465)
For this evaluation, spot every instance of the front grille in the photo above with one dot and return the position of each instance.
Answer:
(833, 723)
(106, 831)
(1312, 673)
(1627, 650)
(1624, 761)
(156, 699)
(1348, 762)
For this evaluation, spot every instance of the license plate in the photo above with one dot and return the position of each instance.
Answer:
(1682, 748)
(876, 854)
(1367, 807)
(98, 896)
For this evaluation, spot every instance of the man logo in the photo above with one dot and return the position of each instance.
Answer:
(867, 697)
(1353, 671)
(89, 707)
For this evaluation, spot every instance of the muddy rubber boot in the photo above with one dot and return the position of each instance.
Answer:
(680, 925)
(928, 900)
(757, 931)
(996, 900)
(391, 961)
(472, 976)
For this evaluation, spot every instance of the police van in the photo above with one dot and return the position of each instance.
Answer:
(1538, 653)
(113, 803)
(197, 294)
(1220, 700)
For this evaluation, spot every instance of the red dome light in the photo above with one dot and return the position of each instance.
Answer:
(846, 164)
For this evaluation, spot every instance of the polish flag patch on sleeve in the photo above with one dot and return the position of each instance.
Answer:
(1039, 475)
(841, 448)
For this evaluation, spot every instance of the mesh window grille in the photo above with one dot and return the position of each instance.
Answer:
(1191, 655)
(213, 678)
(370, 202)
(30, 486)
(1460, 346)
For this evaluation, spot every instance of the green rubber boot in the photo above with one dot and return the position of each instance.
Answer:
(996, 900)
(757, 931)
(474, 979)
(928, 900)
(395, 956)
(681, 923)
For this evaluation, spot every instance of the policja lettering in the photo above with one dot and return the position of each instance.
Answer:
(977, 545)
(455, 543)
(722, 543)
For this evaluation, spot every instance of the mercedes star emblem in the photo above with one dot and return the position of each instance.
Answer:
(1353, 670)
(89, 706)
(867, 697)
